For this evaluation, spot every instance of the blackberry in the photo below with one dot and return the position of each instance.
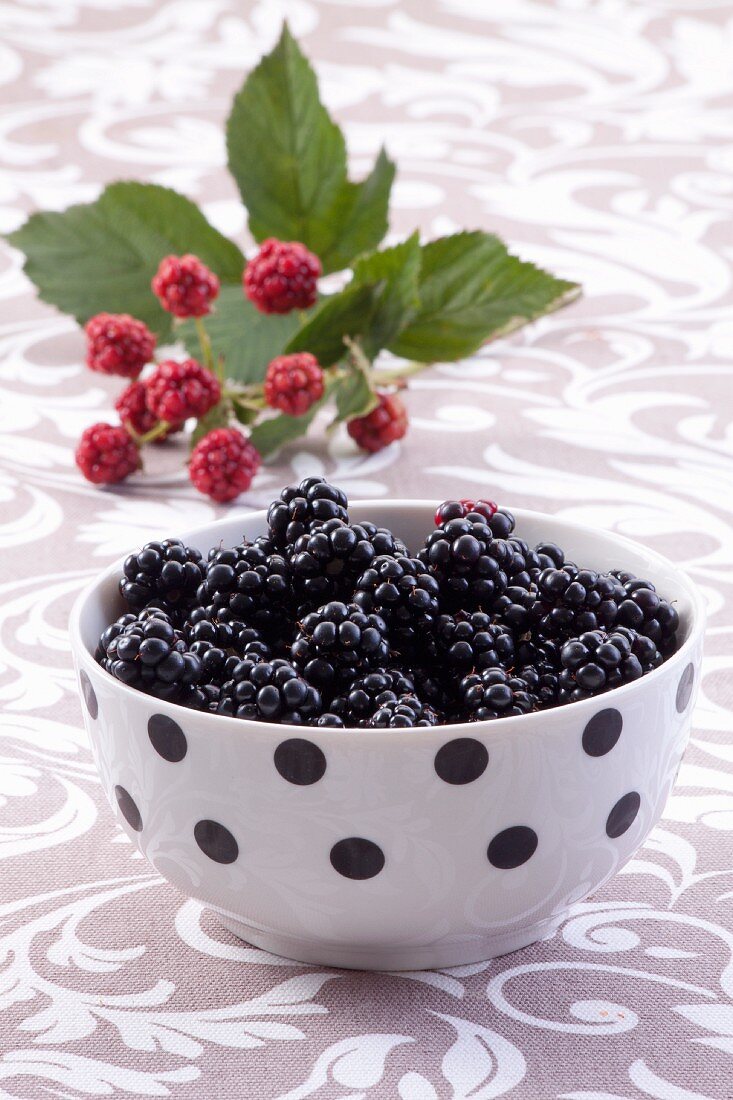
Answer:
(577, 600)
(337, 642)
(251, 584)
(367, 693)
(167, 571)
(326, 562)
(643, 610)
(458, 509)
(469, 563)
(225, 633)
(465, 642)
(268, 691)
(404, 712)
(495, 693)
(538, 664)
(405, 593)
(328, 718)
(299, 506)
(518, 608)
(598, 661)
(151, 655)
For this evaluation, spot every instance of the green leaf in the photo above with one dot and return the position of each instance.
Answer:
(101, 256)
(246, 338)
(354, 396)
(270, 435)
(360, 216)
(394, 274)
(342, 314)
(288, 158)
(471, 288)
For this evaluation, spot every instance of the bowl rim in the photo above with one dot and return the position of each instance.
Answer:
(433, 734)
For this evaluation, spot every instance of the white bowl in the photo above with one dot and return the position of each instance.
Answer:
(387, 849)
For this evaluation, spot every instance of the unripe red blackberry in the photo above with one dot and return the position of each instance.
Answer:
(223, 464)
(118, 344)
(293, 383)
(282, 276)
(106, 454)
(185, 286)
(176, 391)
(383, 425)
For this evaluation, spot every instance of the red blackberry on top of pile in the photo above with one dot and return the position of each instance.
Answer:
(332, 621)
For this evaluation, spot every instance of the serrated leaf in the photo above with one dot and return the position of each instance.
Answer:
(246, 338)
(270, 435)
(471, 288)
(360, 216)
(353, 396)
(101, 256)
(394, 273)
(342, 314)
(288, 158)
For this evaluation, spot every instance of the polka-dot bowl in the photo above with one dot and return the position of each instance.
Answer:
(395, 849)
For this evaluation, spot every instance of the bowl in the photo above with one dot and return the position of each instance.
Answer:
(395, 849)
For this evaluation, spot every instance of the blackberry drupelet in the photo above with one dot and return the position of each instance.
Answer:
(598, 661)
(495, 693)
(367, 693)
(469, 563)
(465, 642)
(268, 691)
(501, 524)
(151, 655)
(109, 634)
(299, 506)
(384, 541)
(167, 572)
(337, 642)
(326, 562)
(518, 608)
(405, 712)
(250, 584)
(406, 594)
(537, 662)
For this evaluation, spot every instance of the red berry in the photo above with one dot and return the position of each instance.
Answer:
(176, 391)
(185, 286)
(459, 509)
(134, 412)
(118, 344)
(293, 383)
(223, 464)
(282, 276)
(106, 453)
(382, 426)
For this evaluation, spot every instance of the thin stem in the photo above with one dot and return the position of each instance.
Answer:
(398, 373)
(160, 429)
(206, 349)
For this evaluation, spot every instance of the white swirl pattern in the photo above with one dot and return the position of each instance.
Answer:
(597, 138)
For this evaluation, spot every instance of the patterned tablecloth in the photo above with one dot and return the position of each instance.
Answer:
(596, 137)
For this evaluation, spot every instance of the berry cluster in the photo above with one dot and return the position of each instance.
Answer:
(282, 277)
(323, 621)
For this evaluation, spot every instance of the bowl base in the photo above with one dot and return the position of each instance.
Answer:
(431, 956)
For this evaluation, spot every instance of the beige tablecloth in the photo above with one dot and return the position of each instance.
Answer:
(596, 137)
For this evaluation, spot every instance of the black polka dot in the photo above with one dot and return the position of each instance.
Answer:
(89, 696)
(300, 761)
(215, 841)
(356, 857)
(602, 732)
(167, 738)
(128, 808)
(461, 760)
(684, 688)
(512, 847)
(623, 814)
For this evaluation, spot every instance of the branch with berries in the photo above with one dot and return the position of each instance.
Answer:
(262, 348)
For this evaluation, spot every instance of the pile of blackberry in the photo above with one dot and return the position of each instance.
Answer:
(323, 621)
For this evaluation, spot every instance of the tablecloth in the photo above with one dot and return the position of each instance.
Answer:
(595, 136)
